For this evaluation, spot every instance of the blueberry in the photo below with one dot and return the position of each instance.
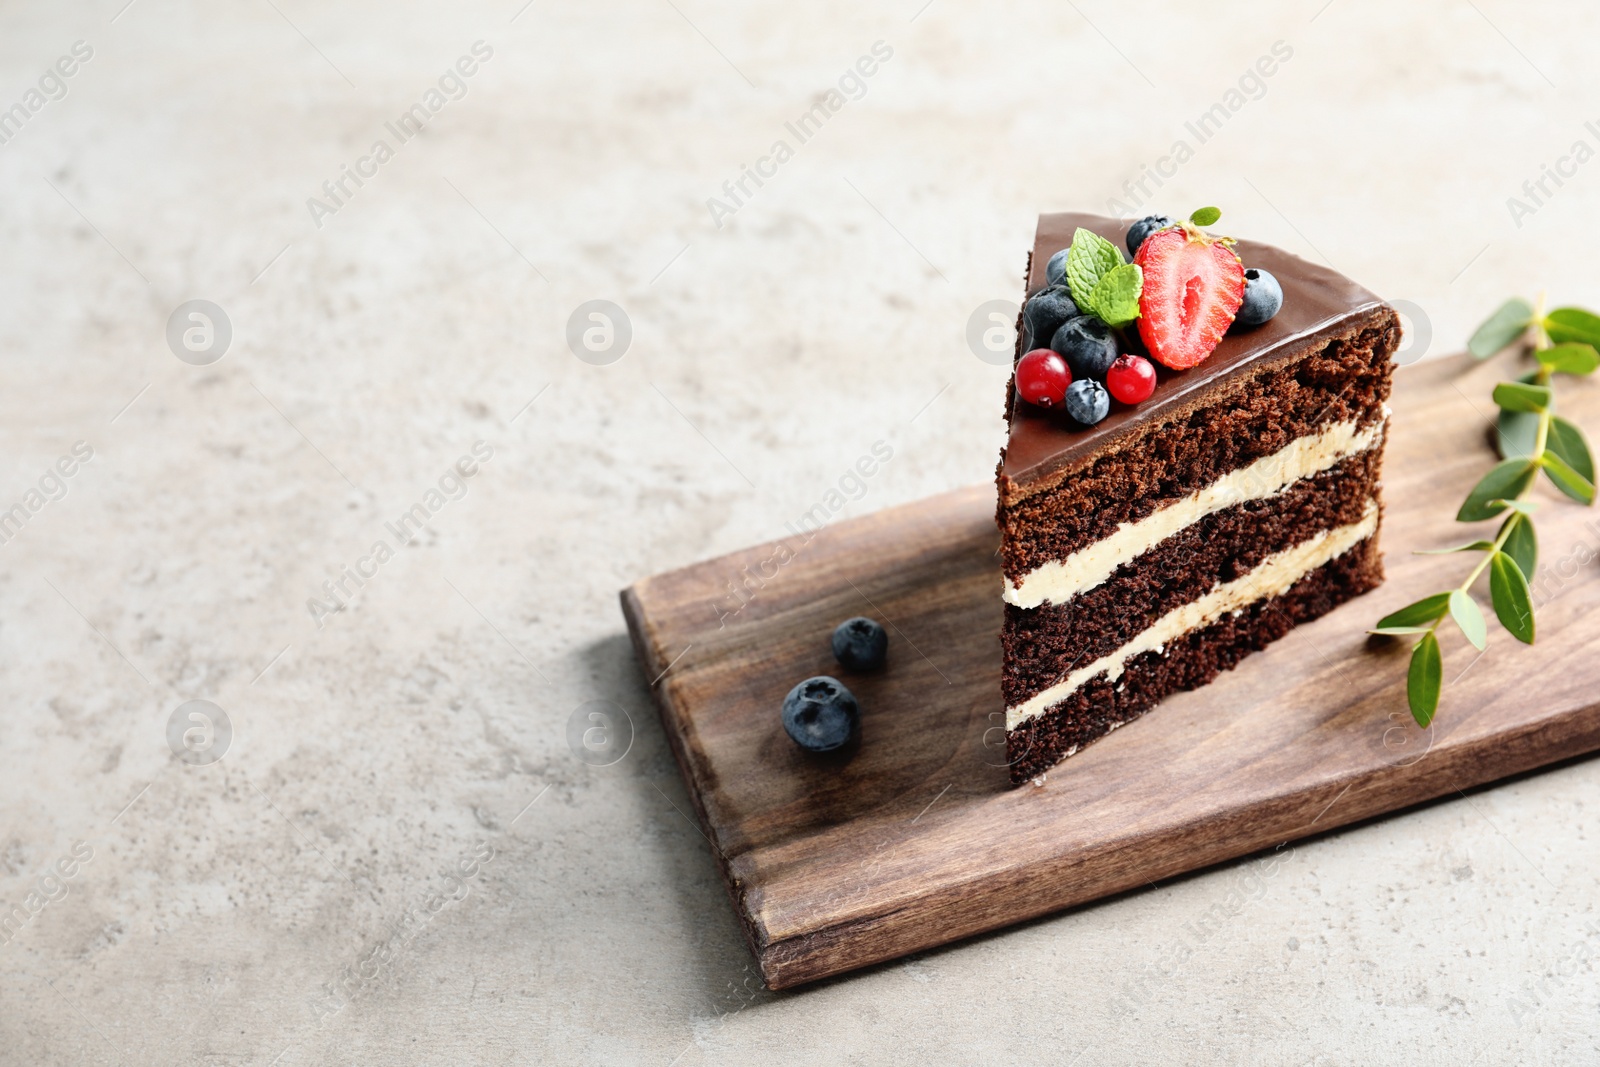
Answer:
(1263, 296)
(1144, 228)
(1088, 345)
(1055, 271)
(821, 715)
(1087, 401)
(860, 644)
(1045, 312)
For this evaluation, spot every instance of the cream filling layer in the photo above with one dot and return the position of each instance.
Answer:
(1058, 581)
(1271, 578)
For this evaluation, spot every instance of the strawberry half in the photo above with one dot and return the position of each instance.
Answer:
(1193, 286)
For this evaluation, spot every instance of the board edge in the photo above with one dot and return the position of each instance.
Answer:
(636, 616)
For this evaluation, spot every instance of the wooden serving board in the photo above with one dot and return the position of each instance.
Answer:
(917, 840)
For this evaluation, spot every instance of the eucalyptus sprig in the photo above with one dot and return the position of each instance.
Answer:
(1530, 437)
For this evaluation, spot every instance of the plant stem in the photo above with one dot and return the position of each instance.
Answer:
(1499, 543)
(1539, 442)
(1466, 586)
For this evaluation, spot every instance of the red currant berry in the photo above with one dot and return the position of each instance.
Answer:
(1131, 379)
(1042, 378)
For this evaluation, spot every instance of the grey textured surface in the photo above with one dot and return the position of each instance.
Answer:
(427, 724)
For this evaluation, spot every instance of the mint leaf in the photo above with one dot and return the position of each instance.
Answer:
(1469, 617)
(1573, 357)
(1410, 618)
(1506, 480)
(1501, 328)
(1521, 544)
(1512, 604)
(1515, 396)
(1573, 324)
(1568, 480)
(1116, 296)
(1090, 258)
(1423, 680)
(1206, 216)
(1567, 441)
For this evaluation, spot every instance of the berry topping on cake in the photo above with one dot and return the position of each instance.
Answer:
(1044, 313)
(1183, 291)
(1144, 228)
(1193, 285)
(1088, 345)
(1042, 378)
(860, 644)
(1131, 379)
(1055, 271)
(821, 715)
(1263, 296)
(1087, 401)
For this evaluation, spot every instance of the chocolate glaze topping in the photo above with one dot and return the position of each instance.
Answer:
(1318, 305)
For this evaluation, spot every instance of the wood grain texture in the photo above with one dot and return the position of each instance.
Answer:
(917, 840)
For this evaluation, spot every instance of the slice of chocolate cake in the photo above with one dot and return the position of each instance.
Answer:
(1147, 552)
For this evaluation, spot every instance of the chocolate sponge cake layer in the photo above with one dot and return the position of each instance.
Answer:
(1041, 643)
(1103, 704)
(1244, 420)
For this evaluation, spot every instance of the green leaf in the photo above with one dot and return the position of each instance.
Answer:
(1515, 396)
(1500, 329)
(1116, 297)
(1509, 590)
(1206, 216)
(1520, 543)
(1090, 258)
(1469, 618)
(1470, 546)
(1573, 325)
(1568, 442)
(1568, 480)
(1427, 610)
(1573, 357)
(1422, 681)
(1516, 434)
(1505, 481)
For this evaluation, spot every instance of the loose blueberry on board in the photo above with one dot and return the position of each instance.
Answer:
(1131, 379)
(860, 644)
(1193, 285)
(1087, 401)
(1088, 345)
(1042, 378)
(1044, 313)
(821, 715)
(1263, 297)
(1055, 271)
(1142, 229)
